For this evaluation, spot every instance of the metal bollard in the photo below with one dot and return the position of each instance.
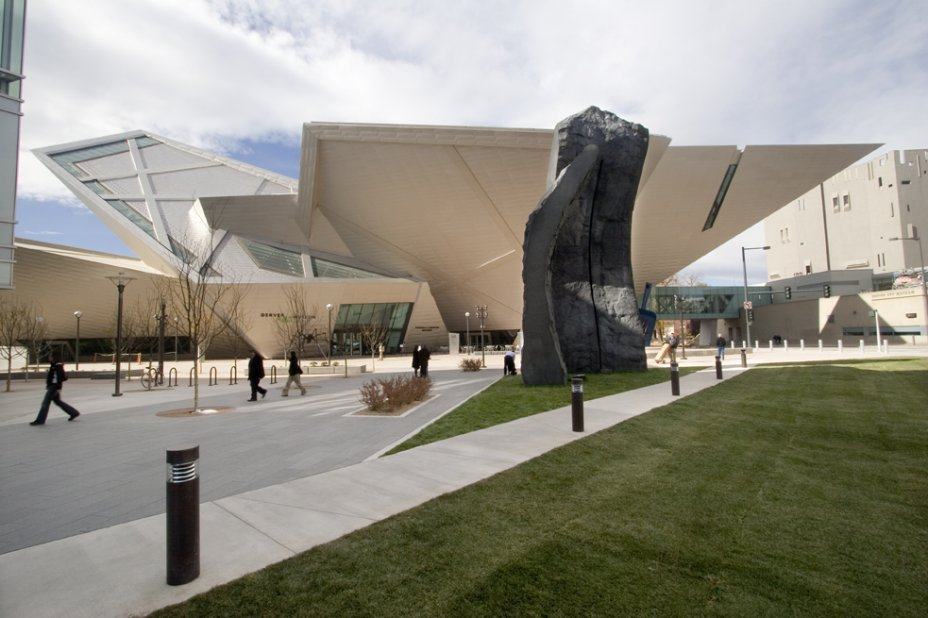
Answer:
(576, 402)
(718, 367)
(785, 344)
(885, 347)
(756, 345)
(744, 357)
(840, 345)
(770, 344)
(183, 516)
(744, 343)
(802, 344)
(819, 345)
(674, 379)
(861, 346)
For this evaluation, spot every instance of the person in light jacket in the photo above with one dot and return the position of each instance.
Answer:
(53, 383)
(293, 376)
(255, 373)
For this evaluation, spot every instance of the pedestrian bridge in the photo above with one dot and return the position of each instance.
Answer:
(704, 302)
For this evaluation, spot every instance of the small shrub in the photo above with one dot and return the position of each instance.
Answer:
(325, 363)
(335, 363)
(388, 394)
(313, 364)
(470, 364)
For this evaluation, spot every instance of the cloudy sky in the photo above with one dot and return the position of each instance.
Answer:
(241, 76)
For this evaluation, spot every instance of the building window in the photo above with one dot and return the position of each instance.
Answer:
(353, 320)
(70, 160)
(835, 204)
(808, 269)
(333, 270)
(274, 259)
(878, 260)
(720, 196)
(134, 216)
(892, 210)
(905, 182)
(847, 201)
(880, 181)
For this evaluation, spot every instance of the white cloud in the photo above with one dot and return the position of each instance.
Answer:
(211, 73)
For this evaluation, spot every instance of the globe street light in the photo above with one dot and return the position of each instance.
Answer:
(744, 266)
(77, 341)
(921, 255)
(467, 318)
(481, 311)
(120, 281)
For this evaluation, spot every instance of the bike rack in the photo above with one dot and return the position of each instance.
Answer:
(273, 374)
(172, 372)
(233, 375)
(213, 376)
(190, 376)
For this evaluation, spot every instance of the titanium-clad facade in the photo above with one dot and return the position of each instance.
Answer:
(12, 31)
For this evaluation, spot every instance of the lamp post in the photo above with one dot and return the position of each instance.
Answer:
(161, 317)
(481, 313)
(176, 333)
(744, 266)
(921, 255)
(328, 333)
(120, 281)
(467, 321)
(77, 341)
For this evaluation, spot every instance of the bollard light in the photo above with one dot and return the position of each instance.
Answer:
(840, 345)
(718, 367)
(183, 516)
(861, 346)
(819, 345)
(744, 357)
(674, 379)
(802, 344)
(576, 402)
(770, 344)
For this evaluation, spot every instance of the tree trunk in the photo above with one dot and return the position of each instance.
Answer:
(196, 384)
(9, 369)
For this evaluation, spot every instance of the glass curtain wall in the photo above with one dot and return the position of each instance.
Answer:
(354, 321)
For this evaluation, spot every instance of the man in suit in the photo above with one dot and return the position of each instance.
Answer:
(255, 373)
(53, 383)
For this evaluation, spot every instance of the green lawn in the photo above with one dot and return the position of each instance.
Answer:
(789, 491)
(510, 399)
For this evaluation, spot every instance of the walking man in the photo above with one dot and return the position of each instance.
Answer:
(720, 344)
(424, 356)
(416, 359)
(255, 373)
(53, 383)
(293, 376)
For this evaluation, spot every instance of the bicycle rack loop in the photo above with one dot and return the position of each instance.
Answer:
(213, 376)
(233, 375)
(190, 376)
(172, 372)
(273, 374)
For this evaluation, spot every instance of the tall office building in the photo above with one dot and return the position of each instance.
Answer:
(847, 223)
(12, 23)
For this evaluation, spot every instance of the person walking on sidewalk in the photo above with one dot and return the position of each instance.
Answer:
(293, 376)
(53, 383)
(424, 356)
(720, 344)
(255, 373)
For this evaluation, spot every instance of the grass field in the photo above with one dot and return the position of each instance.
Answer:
(796, 490)
(510, 399)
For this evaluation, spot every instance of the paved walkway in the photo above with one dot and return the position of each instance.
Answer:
(120, 570)
(108, 467)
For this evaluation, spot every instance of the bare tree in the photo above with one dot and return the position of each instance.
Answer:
(14, 320)
(374, 335)
(202, 300)
(300, 322)
(35, 332)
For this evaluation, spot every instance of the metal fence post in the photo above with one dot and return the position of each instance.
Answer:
(576, 402)
(674, 379)
(183, 516)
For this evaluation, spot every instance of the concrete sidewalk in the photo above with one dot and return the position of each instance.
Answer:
(120, 570)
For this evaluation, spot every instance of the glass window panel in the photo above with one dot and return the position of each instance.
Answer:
(68, 159)
(96, 187)
(275, 259)
(332, 270)
(145, 141)
(133, 215)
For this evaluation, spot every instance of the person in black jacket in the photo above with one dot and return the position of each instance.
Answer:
(255, 373)
(720, 344)
(53, 383)
(293, 376)
(424, 356)
(416, 359)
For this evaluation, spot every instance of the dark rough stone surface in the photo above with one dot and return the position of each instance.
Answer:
(582, 314)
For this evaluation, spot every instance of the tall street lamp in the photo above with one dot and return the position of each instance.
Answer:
(467, 319)
(161, 317)
(328, 333)
(744, 266)
(120, 281)
(176, 336)
(77, 341)
(481, 313)
(921, 255)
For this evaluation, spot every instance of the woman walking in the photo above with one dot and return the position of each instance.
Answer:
(255, 373)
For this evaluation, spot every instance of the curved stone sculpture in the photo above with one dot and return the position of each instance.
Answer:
(580, 312)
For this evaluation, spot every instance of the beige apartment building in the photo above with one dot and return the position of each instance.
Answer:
(847, 222)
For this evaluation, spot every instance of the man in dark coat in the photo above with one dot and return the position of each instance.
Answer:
(416, 359)
(293, 376)
(53, 383)
(255, 373)
(424, 356)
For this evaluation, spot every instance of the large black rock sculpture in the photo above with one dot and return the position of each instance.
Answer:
(580, 313)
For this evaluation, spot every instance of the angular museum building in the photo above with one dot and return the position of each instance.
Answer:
(410, 226)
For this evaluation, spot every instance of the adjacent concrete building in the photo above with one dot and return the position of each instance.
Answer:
(12, 27)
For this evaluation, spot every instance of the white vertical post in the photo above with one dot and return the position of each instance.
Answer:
(802, 344)
(756, 344)
(886, 346)
(770, 344)
(744, 344)
(819, 345)
(861, 346)
(731, 344)
(785, 344)
(840, 345)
